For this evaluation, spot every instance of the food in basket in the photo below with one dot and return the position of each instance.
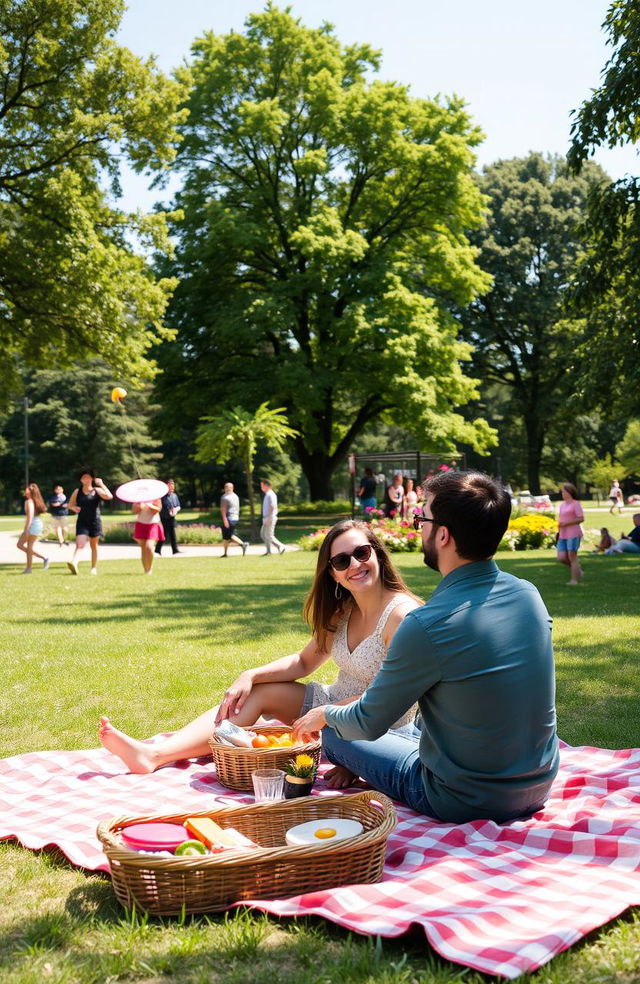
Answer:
(273, 741)
(190, 848)
(217, 838)
(154, 836)
(323, 831)
(229, 732)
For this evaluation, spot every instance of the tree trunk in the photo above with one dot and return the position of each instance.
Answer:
(535, 442)
(252, 507)
(318, 468)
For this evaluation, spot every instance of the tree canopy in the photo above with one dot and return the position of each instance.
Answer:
(607, 288)
(323, 244)
(522, 337)
(72, 105)
(73, 422)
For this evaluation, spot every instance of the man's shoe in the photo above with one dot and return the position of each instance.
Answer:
(176, 551)
(73, 566)
(45, 563)
(245, 544)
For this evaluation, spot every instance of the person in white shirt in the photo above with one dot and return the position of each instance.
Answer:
(269, 519)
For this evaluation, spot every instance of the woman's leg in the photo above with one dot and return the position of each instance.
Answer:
(94, 540)
(146, 554)
(279, 700)
(574, 565)
(31, 549)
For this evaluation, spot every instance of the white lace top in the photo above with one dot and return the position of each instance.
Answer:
(358, 668)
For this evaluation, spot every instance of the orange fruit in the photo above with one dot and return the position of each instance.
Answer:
(261, 741)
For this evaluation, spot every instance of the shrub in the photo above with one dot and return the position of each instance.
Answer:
(195, 533)
(334, 507)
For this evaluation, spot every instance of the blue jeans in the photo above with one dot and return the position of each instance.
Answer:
(390, 764)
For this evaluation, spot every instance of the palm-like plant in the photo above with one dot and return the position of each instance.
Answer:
(236, 432)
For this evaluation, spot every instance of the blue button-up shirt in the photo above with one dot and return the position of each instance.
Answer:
(478, 660)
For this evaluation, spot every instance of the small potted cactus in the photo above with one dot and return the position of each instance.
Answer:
(300, 775)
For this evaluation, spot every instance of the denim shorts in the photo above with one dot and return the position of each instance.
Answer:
(569, 543)
(35, 527)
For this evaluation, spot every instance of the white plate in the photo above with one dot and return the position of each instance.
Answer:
(305, 833)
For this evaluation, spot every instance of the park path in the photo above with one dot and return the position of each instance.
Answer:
(9, 553)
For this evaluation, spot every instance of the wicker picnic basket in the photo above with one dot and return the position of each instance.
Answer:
(234, 765)
(167, 886)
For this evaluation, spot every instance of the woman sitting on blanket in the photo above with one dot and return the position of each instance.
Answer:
(357, 601)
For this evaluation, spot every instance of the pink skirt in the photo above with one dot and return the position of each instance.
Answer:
(148, 531)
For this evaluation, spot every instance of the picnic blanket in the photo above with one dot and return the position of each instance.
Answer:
(503, 899)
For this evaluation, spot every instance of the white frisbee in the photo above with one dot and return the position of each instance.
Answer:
(322, 831)
(142, 490)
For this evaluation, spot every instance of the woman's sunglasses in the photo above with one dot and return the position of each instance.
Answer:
(342, 560)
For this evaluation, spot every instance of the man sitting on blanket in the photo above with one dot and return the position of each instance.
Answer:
(478, 660)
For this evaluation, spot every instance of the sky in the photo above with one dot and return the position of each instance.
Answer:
(520, 66)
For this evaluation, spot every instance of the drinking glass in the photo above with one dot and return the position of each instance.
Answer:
(268, 785)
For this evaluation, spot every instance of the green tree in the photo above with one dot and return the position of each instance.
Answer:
(323, 243)
(607, 288)
(602, 473)
(237, 432)
(73, 422)
(73, 104)
(520, 333)
(628, 450)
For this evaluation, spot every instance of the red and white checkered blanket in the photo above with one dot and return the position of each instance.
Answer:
(503, 899)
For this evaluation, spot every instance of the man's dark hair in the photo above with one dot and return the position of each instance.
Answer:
(474, 507)
(265, 481)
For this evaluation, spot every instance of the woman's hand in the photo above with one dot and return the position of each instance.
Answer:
(235, 697)
(309, 725)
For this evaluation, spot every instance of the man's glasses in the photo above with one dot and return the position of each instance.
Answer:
(342, 560)
(419, 520)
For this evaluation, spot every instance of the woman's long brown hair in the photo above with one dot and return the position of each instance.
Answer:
(36, 498)
(321, 608)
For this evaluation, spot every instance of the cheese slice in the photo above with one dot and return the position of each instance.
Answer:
(215, 837)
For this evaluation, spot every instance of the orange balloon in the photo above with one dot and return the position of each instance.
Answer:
(118, 394)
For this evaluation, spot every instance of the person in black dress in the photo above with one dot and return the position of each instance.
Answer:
(170, 509)
(85, 501)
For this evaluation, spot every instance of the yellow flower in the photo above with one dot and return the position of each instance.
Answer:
(303, 761)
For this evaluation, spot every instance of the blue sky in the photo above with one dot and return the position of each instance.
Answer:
(520, 66)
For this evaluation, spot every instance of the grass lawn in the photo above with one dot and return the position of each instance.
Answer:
(153, 652)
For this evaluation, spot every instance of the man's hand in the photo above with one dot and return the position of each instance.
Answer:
(234, 697)
(308, 726)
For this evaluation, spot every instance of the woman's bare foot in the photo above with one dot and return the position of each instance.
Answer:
(339, 778)
(138, 756)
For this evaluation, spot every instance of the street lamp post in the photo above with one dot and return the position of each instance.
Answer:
(26, 441)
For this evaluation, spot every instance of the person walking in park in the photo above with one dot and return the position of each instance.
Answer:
(269, 519)
(33, 508)
(570, 516)
(59, 512)
(409, 502)
(171, 506)
(148, 530)
(367, 491)
(230, 513)
(477, 658)
(85, 501)
(616, 497)
(356, 603)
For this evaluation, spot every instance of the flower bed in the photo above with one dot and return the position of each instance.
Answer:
(530, 532)
(397, 536)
